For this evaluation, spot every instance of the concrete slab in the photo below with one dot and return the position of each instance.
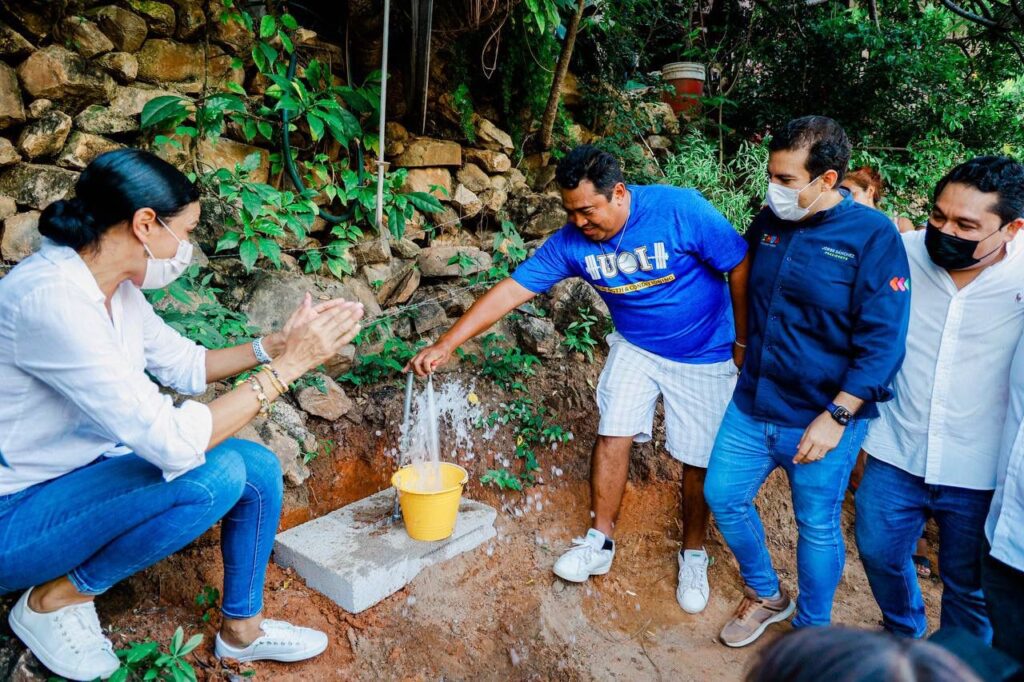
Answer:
(357, 557)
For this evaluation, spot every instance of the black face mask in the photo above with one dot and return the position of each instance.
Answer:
(951, 252)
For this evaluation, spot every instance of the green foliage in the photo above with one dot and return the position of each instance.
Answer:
(462, 100)
(463, 260)
(736, 187)
(532, 431)
(146, 661)
(386, 364)
(192, 307)
(578, 335)
(502, 478)
(314, 379)
(509, 251)
(506, 365)
(207, 600)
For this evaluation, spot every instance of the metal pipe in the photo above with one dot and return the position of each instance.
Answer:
(381, 164)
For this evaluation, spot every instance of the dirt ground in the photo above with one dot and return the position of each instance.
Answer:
(498, 613)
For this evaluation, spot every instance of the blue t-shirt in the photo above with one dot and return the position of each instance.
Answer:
(664, 288)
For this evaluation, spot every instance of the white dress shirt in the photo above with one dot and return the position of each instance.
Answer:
(946, 419)
(1004, 527)
(73, 377)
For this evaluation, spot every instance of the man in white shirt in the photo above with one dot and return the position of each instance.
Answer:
(934, 449)
(1002, 569)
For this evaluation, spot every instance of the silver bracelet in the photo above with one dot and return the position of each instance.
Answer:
(739, 345)
(260, 352)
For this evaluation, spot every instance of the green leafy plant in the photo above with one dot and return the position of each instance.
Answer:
(191, 305)
(207, 600)
(463, 260)
(146, 661)
(578, 336)
(502, 478)
(506, 365)
(376, 367)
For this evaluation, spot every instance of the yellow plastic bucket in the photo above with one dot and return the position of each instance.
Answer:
(430, 516)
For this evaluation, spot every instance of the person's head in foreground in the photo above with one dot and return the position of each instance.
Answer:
(102, 475)
(807, 159)
(866, 186)
(976, 212)
(835, 654)
(594, 192)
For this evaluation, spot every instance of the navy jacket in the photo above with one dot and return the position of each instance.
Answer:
(829, 307)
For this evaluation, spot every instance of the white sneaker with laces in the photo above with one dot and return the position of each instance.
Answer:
(693, 590)
(68, 641)
(585, 558)
(281, 641)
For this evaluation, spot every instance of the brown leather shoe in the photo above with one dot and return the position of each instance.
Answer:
(754, 615)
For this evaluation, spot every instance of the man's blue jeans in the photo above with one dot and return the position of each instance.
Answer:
(115, 517)
(892, 508)
(745, 452)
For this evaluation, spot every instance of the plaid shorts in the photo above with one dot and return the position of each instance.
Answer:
(695, 395)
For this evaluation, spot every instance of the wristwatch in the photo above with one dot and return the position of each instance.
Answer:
(839, 413)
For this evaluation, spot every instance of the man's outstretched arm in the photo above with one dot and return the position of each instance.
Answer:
(500, 300)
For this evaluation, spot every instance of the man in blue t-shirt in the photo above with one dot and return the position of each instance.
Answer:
(657, 255)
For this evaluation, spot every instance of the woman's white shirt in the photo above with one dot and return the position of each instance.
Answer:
(73, 377)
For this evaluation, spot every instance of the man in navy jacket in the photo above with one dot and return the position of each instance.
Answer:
(828, 311)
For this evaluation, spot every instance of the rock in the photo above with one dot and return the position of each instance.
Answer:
(538, 214)
(428, 316)
(516, 179)
(8, 154)
(232, 34)
(12, 44)
(425, 152)
(126, 30)
(403, 248)
(287, 449)
(225, 153)
(21, 236)
(7, 207)
(129, 100)
(191, 18)
(467, 202)
(82, 148)
(536, 335)
(331, 405)
(37, 186)
(46, 136)
(473, 178)
(38, 107)
(373, 250)
(395, 132)
(543, 177)
(494, 199)
(659, 118)
(659, 142)
(488, 159)
(12, 109)
(571, 95)
(101, 120)
(85, 36)
(163, 60)
(423, 179)
(433, 261)
(342, 361)
(28, 669)
(123, 66)
(491, 136)
(159, 17)
(272, 297)
(57, 73)
(399, 286)
(568, 296)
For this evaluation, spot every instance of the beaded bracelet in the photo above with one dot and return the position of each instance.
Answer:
(257, 388)
(259, 351)
(275, 378)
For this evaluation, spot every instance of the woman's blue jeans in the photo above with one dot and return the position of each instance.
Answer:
(746, 451)
(117, 516)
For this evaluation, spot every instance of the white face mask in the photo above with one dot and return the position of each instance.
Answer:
(162, 271)
(785, 201)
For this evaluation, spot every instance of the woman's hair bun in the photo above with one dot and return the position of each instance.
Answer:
(69, 223)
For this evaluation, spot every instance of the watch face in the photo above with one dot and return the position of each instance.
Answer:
(841, 415)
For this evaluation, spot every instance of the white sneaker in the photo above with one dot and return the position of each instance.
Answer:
(281, 641)
(693, 590)
(68, 641)
(585, 558)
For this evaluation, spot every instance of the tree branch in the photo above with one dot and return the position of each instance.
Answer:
(970, 16)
